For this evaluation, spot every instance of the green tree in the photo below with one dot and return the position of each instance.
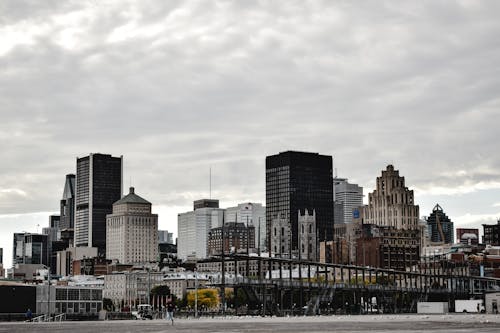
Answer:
(107, 304)
(161, 290)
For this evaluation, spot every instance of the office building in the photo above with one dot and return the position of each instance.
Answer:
(193, 228)
(98, 186)
(440, 226)
(252, 214)
(391, 216)
(491, 234)
(296, 181)
(165, 237)
(349, 196)
(132, 231)
(236, 237)
(67, 206)
(30, 248)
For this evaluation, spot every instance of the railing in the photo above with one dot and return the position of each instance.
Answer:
(60, 317)
(41, 318)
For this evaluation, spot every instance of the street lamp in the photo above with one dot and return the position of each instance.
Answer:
(195, 293)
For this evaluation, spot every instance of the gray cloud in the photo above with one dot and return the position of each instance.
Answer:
(177, 87)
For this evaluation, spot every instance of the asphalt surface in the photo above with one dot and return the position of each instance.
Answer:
(373, 324)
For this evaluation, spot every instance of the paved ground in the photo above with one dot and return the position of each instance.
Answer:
(455, 323)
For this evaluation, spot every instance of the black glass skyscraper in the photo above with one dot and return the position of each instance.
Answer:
(296, 181)
(98, 186)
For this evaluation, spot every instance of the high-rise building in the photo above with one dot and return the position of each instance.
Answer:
(67, 211)
(1, 255)
(296, 181)
(99, 180)
(193, 228)
(30, 248)
(132, 231)
(165, 237)
(350, 196)
(440, 226)
(251, 214)
(392, 217)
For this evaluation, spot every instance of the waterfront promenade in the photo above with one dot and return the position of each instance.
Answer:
(367, 323)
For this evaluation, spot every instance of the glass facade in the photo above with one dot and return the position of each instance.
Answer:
(98, 186)
(296, 181)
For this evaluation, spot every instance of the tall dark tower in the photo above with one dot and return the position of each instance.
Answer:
(99, 180)
(296, 181)
(67, 212)
(440, 226)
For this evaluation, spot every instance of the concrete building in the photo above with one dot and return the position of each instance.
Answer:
(128, 289)
(391, 204)
(68, 299)
(252, 214)
(65, 258)
(440, 226)
(165, 237)
(99, 180)
(235, 237)
(392, 216)
(350, 196)
(30, 248)
(193, 228)
(491, 234)
(296, 181)
(132, 231)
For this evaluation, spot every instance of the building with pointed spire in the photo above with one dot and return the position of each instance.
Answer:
(132, 231)
(67, 211)
(440, 226)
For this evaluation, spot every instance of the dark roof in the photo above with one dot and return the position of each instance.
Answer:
(132, 198)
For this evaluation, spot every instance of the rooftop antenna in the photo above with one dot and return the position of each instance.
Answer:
(335, 172)
(210, 183)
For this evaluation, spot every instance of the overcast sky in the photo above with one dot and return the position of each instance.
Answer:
(179, 86)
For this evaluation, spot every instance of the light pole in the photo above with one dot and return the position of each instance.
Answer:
(195, 293)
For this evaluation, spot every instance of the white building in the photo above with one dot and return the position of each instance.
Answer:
(350, 196)
(193, 228)
(255, 215)
(132, 231)
(130, 288)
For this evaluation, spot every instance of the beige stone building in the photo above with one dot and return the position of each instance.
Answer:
(391, 204)
(132, 231)
(390, 222)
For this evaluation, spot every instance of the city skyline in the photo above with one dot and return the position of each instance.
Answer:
(178, 89)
